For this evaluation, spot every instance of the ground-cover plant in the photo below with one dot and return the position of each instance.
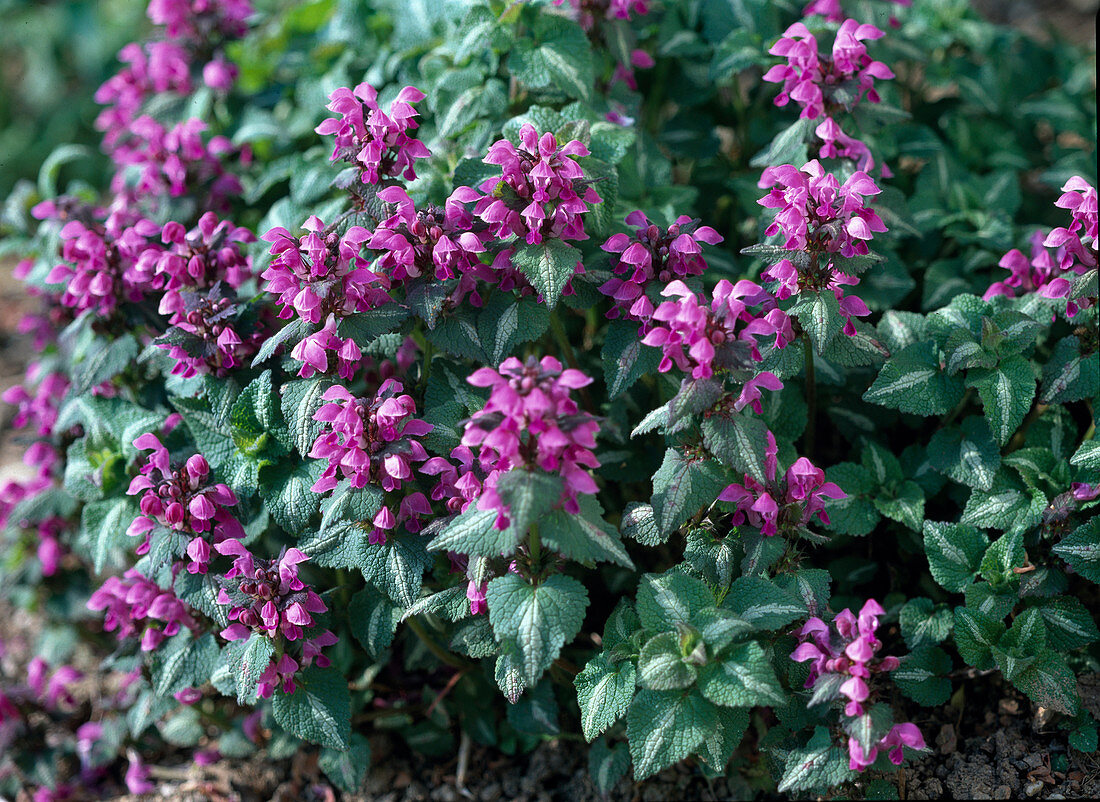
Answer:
(414, 355)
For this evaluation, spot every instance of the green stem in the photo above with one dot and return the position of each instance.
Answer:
(425, 371)
(570, 356)
(444, 656)
(811, 401)
(534, 545)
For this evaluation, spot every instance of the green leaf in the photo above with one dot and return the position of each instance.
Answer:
(819, 766)
(104, 362)
(966, 453)
(558, 56)
(625, 358)
(857, 514)
(788, 146)
(664, 727)
(1069, 375)
(954, 553)
(606, 765)
(762, 603)
(548, 266)
(319, 710)
(638, 524)
(661, 667)
(1006, 392)
(912, 381)
(1007, 505)
(1069, 624)
(537, 712)
(506, 321)
(182, 662)
(922, 676)
(247, 660)
(665, 601)
(924, 623)
(739, 441)
(604, 691)
(722, 742)
(585, 537)
(285, 489)
(1004, 554)
(346, 518)
(904, 505)
(819, 314)
(681, 487)
(289, 335)
(474, 532)
(397, 566)
(529, 495)
(744, 678)
(538, 619)
(373, 619)
(300, 400)
(1081, 549)
(1050, 682)
(103, 527)
(1087, 456)
(975, 636)
(347, 769)
(871, 727)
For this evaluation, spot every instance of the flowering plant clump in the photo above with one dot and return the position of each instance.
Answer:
(487, 401)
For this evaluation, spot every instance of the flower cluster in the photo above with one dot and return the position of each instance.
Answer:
(852, 655)
(155, 68)
(529, 422)
(823, 86)
(181, 498)
(781, 507)
(653, 258)
(819, 216)
(267, 597)
(1050, 275)
(369, 441)
(430, 241)
(379, 144)
(541, 193)
(101, 268)
(135, 606)
(53, 690)
(173, 161)
(207, 254)
(211, 339)
(201, 19)
(322, 276)
(721, 334)
(38, 406)
(460, 479)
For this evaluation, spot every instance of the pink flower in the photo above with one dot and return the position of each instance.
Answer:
(530, 421)
(542, 192)
(379, 144)
(652, 259)
(137, 607)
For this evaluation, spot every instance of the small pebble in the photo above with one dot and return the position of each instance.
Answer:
(1032, 789)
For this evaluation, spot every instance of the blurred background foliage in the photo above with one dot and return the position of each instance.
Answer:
(56, 53)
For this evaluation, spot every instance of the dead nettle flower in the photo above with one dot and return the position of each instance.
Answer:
(1051, 275)
(52, 689)
(135, 606)
(831, 10)
(786, 507)
(200, 258)
(198, 20)
(212, 338)
(542, 192)
(173, 161)
(819, 216)
(268, 598)
(152, 68)
(101, 252)
(38, 399)
(721, 334)
(431, 241)
(322, 276)
(843, 665)
(379, 144)
(824, 86)
(529, 422)
(182, 498)
(369, 441)
(653, 258)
